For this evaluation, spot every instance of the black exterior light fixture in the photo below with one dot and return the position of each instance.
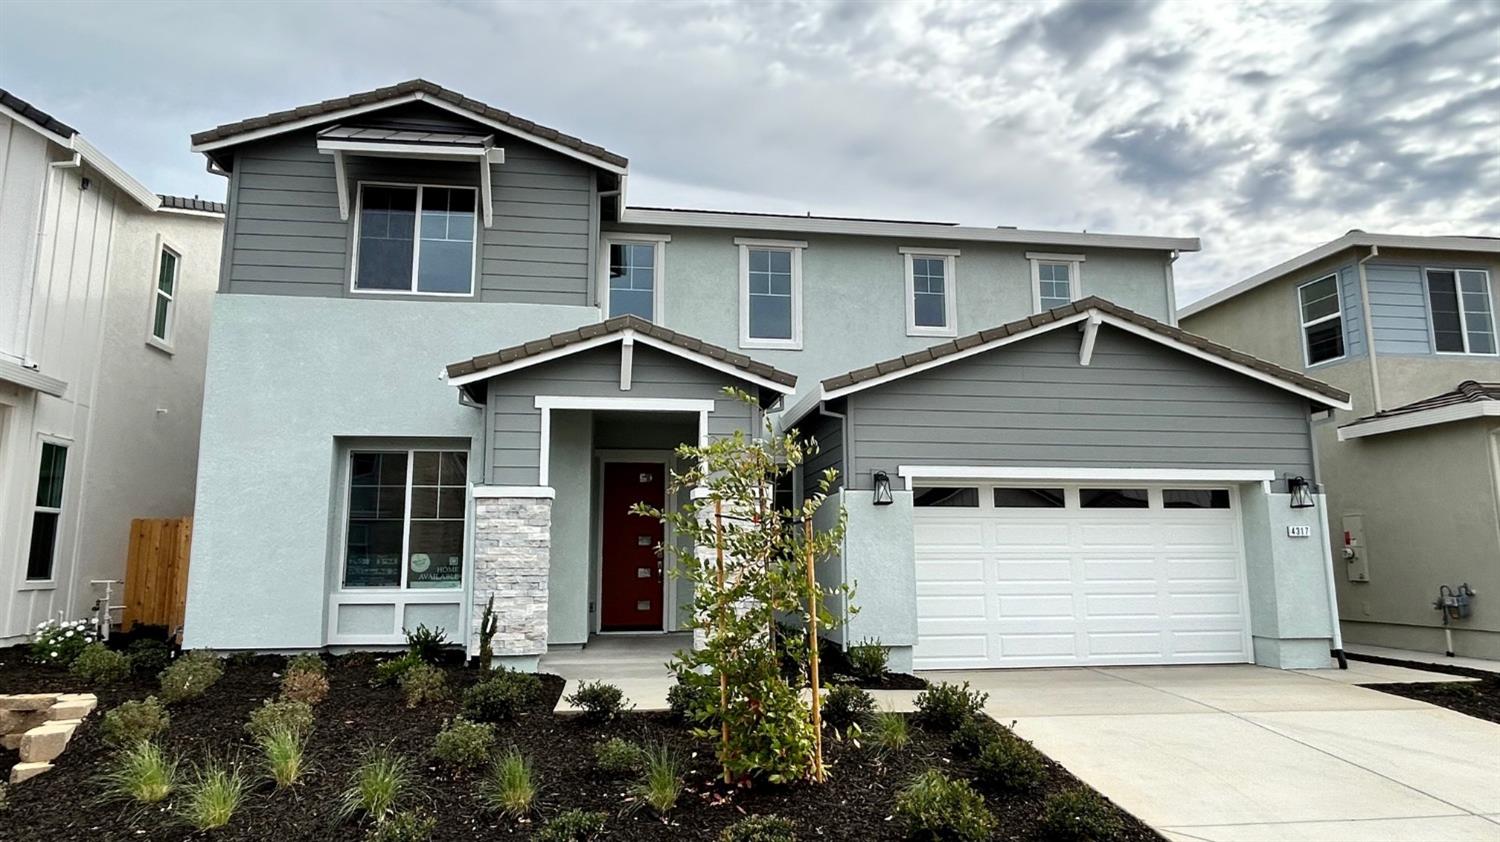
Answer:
(882, 482)
(1301, 491)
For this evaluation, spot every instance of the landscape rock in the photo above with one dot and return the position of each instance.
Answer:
(44, 743)
(26, 771)
(28, 701)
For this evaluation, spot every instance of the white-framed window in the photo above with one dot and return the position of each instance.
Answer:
(164, 298)
(405, 518)
(415, 239)
(46, 512)
(931, 291)
(1056, 279)
(634, 269)
(1321, 310)
(1463, 312)
(770, 293)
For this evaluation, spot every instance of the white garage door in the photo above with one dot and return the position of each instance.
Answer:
(1078, 575)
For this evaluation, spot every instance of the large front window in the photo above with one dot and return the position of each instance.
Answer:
(400, 250)
(1463, 318)
(406, 519)
(1322, 319)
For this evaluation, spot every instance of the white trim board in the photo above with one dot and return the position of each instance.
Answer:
(1421, 418)
(537, 492)
(11, 372)
(624, 404)
(1051, 473)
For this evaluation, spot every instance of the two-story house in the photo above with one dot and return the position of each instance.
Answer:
(1406, 325)
(105, 296)
(448, 356)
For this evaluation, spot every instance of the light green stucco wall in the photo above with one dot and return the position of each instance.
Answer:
(571, 475)
(879, 553)
(1291, 626)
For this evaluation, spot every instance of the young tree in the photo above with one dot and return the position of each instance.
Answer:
(753, 565)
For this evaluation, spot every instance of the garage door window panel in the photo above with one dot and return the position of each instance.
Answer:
(1114, 498)
(947, 497)
(1029, 498)
(1195, 498)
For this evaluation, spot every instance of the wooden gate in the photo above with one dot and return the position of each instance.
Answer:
(156, 573)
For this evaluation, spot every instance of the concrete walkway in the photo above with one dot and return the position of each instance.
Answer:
(1240, 753)
(637, 664)
(1422, 657)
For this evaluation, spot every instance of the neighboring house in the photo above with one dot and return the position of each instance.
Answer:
(105, 297)
(1407, 326)
(447, 357)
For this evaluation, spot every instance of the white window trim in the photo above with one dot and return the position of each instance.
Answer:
(795, 247)
(345, 591)
(950, 291)
(50, 582)
(1463, 318)
(1075, 275)
(416, 252)
(1338, 313)
(164, 343)
(658, 271)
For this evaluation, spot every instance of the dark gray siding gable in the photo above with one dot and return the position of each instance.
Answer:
(286, 238)
(828, 432)
(1138, 404)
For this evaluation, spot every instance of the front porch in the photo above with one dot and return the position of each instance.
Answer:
(636, 663)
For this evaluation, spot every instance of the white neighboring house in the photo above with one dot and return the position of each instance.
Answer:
(105, 295)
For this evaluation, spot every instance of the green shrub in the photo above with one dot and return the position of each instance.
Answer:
(598, 701)
(509, 789)
(463, 743)
(212, 797)
(304, 686)
(58, 642)
(404, 826)
(190, 676)
(390, 671)
(423, 684)
(765, 828)
(936, 807)
(100, 666)
(868, 660)
(148, 656)
(306, 662)
(378, 782)
(1009, 763)
(142, 773)
(688, 700)
(1080, 815)
(427, 644)
(972, 736)
(619, 758)
(283, 751)
(846, 705)
(662, 784)
(944, 707)
(280, 715)
(501, 696)
(890, 732)
(573, 826)
(134, 721)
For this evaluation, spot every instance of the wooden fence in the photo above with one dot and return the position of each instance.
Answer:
(156, 573)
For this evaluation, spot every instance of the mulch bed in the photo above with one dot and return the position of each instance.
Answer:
(855, 804)
(1480, 699)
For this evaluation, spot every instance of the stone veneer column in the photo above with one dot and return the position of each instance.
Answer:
(512, 557)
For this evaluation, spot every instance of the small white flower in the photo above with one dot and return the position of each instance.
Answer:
(54, 653)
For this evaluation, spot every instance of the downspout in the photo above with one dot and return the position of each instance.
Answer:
(844, 544)
(24, 319)
(1172, 289)
(1337, 638)
(1364, 303)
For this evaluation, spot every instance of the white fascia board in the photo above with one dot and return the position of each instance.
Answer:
(1424, 418)
(186, 212)
(416, 96)
(525, 491)
(1348, 241)
(20, 375)
(115, 173)
(624, 404)
(902, 230)
(802, 408)
(36, 127)
(1053, 473)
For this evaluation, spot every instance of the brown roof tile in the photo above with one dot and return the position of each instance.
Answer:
(1469, 391)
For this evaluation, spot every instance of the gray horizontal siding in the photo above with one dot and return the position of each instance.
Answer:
(515, 422)
(285, 227)
(1137, 405)
(1398, 308)
(1354, 315)
(828, 432)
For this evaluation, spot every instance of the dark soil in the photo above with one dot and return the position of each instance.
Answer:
(1480, 699)
(834, 666)
(855, 804)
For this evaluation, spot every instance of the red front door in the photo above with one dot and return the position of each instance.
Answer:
(631, 590)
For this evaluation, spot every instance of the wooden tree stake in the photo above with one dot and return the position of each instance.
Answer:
(819, 774)
(723, 679)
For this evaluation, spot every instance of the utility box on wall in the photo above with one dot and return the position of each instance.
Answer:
(1356, 554)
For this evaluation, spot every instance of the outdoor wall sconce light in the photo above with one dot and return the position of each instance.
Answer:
(1301, 492)
(882, 488)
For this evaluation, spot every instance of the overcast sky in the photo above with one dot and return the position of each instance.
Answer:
(1263, 128)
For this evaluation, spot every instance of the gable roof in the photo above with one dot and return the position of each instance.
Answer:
(1469, 399)
(1353, 239)
(195, 204)
(1092, 308)
(421, 90)
(568, 342)
(68, 138)
(36, 115)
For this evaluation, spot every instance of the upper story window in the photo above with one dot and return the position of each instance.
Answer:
(634, 282)
(164, 301)
(47, 513)
(398, 250)
(1055, 279)
(1463, 316)
(931, 300)
(1322, 320)
(770, 293)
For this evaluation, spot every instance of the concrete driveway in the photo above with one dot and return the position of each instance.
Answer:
(1246, 754)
